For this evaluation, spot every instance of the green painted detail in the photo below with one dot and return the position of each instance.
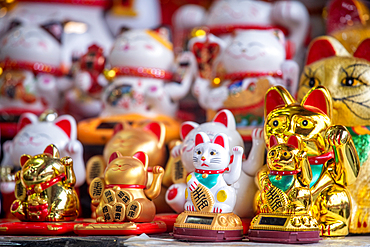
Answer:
(316, 172)
(209, 181)
(362, 144)
(284, 183)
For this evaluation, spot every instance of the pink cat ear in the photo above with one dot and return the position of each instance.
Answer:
(143, 157)
(320, 49)
(293, 140)
(24, 158)
(226, 118)
(68, 124)
(52, 150)
(158, 129)
(201, 137)
(186, 127)
(363, 50)
(277, 97)
(318, 98)
(273, 141)
(26, 119)
(114, 156)
(117, 128)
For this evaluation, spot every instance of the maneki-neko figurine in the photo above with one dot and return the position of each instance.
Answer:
(209, 198)
(285, 199)
(44, 188)
(347, 78)
(330, 150)
(122, 195)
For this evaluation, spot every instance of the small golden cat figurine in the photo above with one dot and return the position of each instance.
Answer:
(347, 77)
(122, 194)
(284, 182)
(44, 188)
(330, 150)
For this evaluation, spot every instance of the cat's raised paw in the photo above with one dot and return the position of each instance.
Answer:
(337, 135)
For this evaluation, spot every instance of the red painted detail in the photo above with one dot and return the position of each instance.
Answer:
(198, 139)
(273, 141)
(200, 171)
(359, 224)
(337, 10)
(223, 29)
(251, 74)
(365, 224)
(49, 150)
(117, 128)
(320, 49)
(363, 50)
(293, 140)
(24, 159)
(317, 160)
(220, 141)
(125, 186)
(30, 66)
(101, 3)
(185, 129)
(273, 100)
(231, 159)
(290, 49)
(143, 72)
(24, 121)
(172, 194)
(112, 157)
(140, 156)
(221, 118)
(47, 184)
(317, 100)
(285, 173)
(155, 128)
(15, 205)
(65, 125)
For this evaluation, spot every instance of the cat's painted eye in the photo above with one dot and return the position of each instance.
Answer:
(272, 153)
(306, 124)
(313, 82)
(199, 152)
(350, 82)
(212, 153)
(275, 123)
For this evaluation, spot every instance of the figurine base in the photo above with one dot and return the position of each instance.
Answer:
(284, 237)
(36, 228)
(168, 219)
(120, 228)
(189, 234)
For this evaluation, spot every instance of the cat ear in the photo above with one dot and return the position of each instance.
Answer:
(26, 119)
(273, 141)
(159, 130)
(24, 159)
(363, 50)
(164, 32)
(277, 97)
(117, 128)
(226, 118)
(143, 157)
(324, 47)
(186, 127)
(318, 98)
(222, 140)
(52, 150)
(114, 156)
(201, 137)
(293, 140)
(54, 28)
(68, 124)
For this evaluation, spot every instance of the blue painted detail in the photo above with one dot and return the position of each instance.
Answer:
(209, 181)
(316, 172)
(284, 183)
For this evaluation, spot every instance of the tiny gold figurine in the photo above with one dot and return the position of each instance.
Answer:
(330, 150)
(121, 194)
(44, 188)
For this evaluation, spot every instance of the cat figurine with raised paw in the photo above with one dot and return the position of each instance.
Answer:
(213, 174)
(121, 194)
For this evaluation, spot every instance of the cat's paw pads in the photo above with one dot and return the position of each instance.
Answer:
(337, 135)
(189, 207)
(176, 151)
(237, 150)
(257, 134)
(158, 170)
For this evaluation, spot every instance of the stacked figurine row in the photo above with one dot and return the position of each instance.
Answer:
(306, 173)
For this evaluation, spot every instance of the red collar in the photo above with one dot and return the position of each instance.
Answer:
(125, 186)
(224, 29)
(101, 3)
(318, 160)
(47, 184)
(141, 72)
(211, 171)
(34, 67)
(284, 173)
(242, 75)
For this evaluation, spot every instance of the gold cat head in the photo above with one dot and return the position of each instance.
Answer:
(283, 157)
(346, 77)
(41, 168)
(308, 121)
(126, 169)
(149, 138)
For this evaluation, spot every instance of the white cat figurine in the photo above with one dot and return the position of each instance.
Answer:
(141, 62)
(35, 134)
(245, 187)
(213, 170)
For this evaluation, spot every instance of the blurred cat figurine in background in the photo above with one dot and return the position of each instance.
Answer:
(347, 77)
(331, 152)
(122, 189)
(44, 188)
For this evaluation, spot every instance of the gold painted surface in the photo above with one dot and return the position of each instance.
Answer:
(202, 198)
(61, 199)
(317, 136)
(220, 222)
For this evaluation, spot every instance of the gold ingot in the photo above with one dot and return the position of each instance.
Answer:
(124, 196)
(96, 188)
(133, 210)
(108, 213)
(119, 210)
(109, 197)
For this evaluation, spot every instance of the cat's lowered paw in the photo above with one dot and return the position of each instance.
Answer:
(337, 135)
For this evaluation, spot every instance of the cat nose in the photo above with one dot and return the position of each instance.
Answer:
(203, 158)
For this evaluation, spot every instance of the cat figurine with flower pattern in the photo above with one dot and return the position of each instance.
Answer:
(213, 174)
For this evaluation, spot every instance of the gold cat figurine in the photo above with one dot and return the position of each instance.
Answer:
(121, 194)
(330, 150)
(347, 77)
(284, 182)
(44, 188)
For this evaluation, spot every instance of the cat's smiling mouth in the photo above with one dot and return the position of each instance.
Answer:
(204, 164)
